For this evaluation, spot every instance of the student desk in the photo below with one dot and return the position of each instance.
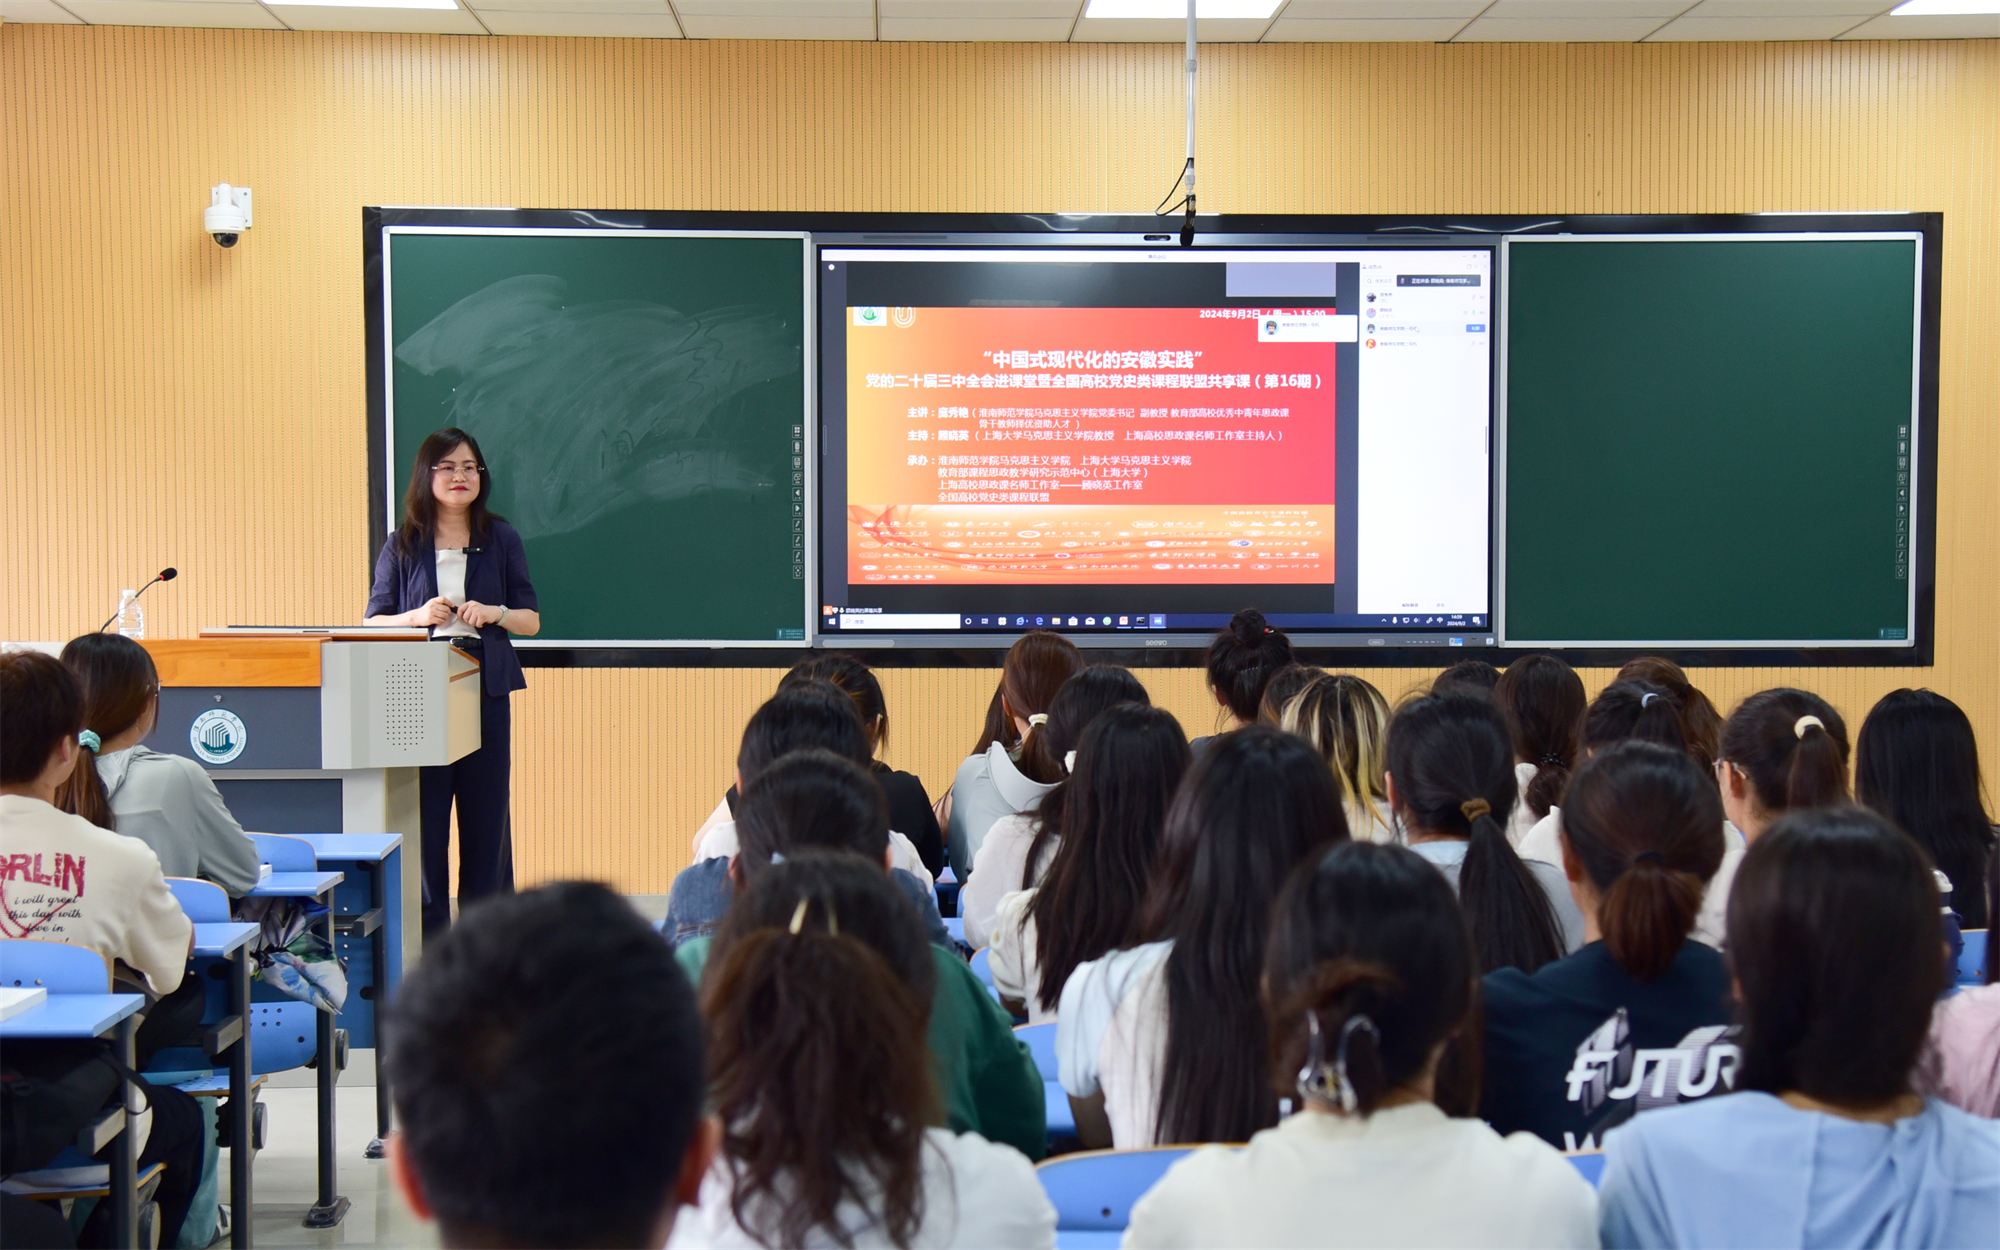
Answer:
(231, 941)
(369, 906)
(94, 1015)
(331, 1207)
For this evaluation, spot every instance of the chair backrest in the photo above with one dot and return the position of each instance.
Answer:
(1041, 1040)
(285, 853)
(1589, 1166)
(58, 967)
(982, 966)
(1973, 956)
(203, 901)
(1095, 1190)
(283, 1036)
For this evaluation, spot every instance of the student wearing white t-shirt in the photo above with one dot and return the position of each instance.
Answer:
(1013, 766)
(1368, 982)
(1165, 1041)
(1542, 699)
(817, 1002)
(1018, 848)
(1128, 766)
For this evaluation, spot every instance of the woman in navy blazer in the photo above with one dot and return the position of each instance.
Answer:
(458, 570)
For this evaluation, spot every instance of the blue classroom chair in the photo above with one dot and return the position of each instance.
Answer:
(982, 964)
(1041, 1043)
(285, 853)
(1972, 957)
(1093, 1192)
(204, 901)
(1589, 1166)
(56, 966)
(1041, 1040)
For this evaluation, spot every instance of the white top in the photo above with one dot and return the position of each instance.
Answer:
(721, 815)
(976, 1193)
(1523, 817)
(1111, 1035)
(986, 788)
(1407, 1176)
(64, 879)
(169, 803)
(996, 870)
(1544, 844)
(1372, 822)
(718, 841)
(1013, 958)
(451, 586)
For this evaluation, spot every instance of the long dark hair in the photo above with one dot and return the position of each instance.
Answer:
(119, 684)
(1791, 762)
(1833, 937)
(419, 528)
(1037, 665)
(802, 714)
(1454, 774)
(817, 997)
(1916, 761)
(1374, 932)
(810, 798)
(1082, 699)
(1257, 803)
(1242, 658)
(857, 680)
(1698, 715)
(1646, 823)
(1129, 764)
(1542, 699)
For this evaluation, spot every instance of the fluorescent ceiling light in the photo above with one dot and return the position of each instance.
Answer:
(364, 4)
(1256, 10)
(1943, 8)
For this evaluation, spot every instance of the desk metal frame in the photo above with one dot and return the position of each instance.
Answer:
(232, 942)
(331, 1207)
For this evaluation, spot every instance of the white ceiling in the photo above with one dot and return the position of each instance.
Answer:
(1426, 21)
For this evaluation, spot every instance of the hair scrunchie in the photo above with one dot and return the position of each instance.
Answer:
(1646, 699)
(89, 741)
(1474, 809)
(1039, 718)
(1804, 723)
(1553, 759)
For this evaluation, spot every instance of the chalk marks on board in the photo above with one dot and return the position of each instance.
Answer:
(588, 408)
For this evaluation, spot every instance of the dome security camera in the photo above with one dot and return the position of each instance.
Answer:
(228, 213)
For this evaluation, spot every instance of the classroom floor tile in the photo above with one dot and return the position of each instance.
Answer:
(287, 1177)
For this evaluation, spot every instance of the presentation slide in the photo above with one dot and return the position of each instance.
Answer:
(1107, 441)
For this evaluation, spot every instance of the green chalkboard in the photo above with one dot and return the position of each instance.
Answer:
(641, 401)
(1709, 442)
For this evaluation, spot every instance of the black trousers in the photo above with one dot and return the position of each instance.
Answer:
(481, 785)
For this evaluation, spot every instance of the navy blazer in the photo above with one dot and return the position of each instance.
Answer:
(496, 573)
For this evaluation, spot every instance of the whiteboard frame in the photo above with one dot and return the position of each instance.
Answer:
(809, 612)
(1504, 315)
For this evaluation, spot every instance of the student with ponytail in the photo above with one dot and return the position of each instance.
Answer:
(1450, 782)
(1642, 836)
(1700, 720)
(165, 801)
(1010, 773)
(1369, 985)
(1542, 699)
(1242, 660)
(1018, 848)
(817, 1002)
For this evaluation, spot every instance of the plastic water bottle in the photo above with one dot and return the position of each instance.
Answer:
(131, 617)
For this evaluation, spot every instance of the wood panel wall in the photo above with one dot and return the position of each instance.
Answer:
(166, 402)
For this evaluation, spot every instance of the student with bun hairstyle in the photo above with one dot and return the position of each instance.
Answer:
(1642, 836)
(1284, 686)
(1128, 766)
(1916, 761)
(165, 801)
(1698, 715)
(1450, 779)
(1347, 721)
(1543, 701)
(817, 1002)
(1242, 659)
(1834, 945)
(1165, 1041)
(1011, 773)
(1018, 848)
(1368, 981)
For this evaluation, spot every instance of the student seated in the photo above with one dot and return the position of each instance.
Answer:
(1916, 761)
(817, 1004)
(1013, 766)
(1164, 1041)
(1542, 700)
(1242, 660)
(1961, 1062)
(1347, 720)
(546, 1062)
(1640, 711)
(1017, 849)
(1569, 1047)
(910, 811)
(1698, 715)
(1284, 686)
(1450, 780)
(1128, 766)
(1475, 679)
(127, 915)
(1368, 983)
(989, 1079)
(165, 801)
(1833, 941)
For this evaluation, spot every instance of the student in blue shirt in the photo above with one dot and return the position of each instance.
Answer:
(1834, 945)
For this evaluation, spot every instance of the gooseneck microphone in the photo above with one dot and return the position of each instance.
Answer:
(164, 575)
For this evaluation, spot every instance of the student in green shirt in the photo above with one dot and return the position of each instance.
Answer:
(813, 802)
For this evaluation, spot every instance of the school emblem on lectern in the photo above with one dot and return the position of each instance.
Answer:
(217, 736)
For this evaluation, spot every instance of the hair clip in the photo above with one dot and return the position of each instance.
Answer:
(1320, 1082)
(89, 741)
(799, 916)
(777, 857)
(1804, 723)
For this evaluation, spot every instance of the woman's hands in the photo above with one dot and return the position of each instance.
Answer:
(437, 612)
(479, 615)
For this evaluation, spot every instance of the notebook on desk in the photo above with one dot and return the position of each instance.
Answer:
(15, 1000)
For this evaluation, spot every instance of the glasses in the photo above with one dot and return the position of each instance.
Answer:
(453, 470)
